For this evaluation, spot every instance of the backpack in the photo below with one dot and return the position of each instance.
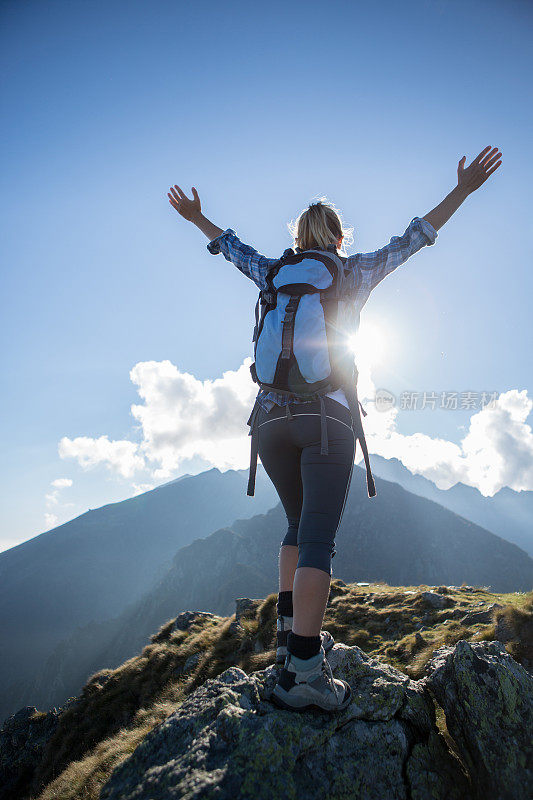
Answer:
(301, 321)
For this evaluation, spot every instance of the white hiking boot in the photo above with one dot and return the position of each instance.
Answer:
(309, 683)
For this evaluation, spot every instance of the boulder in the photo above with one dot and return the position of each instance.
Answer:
(23, 738)
(436, 600)
(235, 628)
(227, 740)
(244, 606)
(503, 631)
(487, 698)
(483, 617)
(188, 618)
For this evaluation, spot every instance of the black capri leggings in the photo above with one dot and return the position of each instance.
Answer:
(312, 487)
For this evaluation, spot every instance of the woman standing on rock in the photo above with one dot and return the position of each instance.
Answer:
(310, 460)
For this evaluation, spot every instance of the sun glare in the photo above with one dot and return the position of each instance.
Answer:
(369, 345)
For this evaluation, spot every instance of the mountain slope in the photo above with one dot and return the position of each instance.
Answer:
(509, 514)
(91, 568)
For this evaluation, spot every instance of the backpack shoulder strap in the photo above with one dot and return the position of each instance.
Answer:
(338, 262)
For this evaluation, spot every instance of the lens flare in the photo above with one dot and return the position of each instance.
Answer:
(368, 344)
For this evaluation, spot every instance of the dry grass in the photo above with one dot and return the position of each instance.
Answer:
(117, 708)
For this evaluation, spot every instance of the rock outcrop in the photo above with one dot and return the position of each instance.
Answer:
(225, 739)
(22, 741)
(187, 618)
(228, 741)
(488, 700)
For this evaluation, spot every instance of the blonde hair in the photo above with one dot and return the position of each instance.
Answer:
(319, 225)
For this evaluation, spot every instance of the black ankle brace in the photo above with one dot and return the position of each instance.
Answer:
(303, 646)
(284, 604)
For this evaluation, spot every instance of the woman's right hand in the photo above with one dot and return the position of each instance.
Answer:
(189, 209)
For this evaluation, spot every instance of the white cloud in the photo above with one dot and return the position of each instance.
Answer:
(499, 445)
(495, 451)
(120, 455)
(54, 501)
(62, 483)
(50, 520)
(183, 418)
(140, 488)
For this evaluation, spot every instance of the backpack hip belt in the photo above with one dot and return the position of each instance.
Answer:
(357, 427)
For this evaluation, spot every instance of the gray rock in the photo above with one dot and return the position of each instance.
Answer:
(244, 606)
(228, 741)
(503, 631)
(235, 628)
(458, 613)
(187, 618)
(487, 698)
(23, 738)
(480, 617)
(191, 662)
(436, 600)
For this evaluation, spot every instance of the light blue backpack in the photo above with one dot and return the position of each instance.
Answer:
(302, 321)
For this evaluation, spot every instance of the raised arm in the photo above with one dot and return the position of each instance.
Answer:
(371, 268)
(191, 210)
(468, 180)
(251, 263)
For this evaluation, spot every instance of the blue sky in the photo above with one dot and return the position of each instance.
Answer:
(263, 108)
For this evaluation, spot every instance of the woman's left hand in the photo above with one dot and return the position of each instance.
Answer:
(478, 171)
(189, 209)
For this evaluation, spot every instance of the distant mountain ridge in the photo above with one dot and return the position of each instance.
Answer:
(507, 513)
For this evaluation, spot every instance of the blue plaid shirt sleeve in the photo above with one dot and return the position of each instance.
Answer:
(246, 259)
(371, 268)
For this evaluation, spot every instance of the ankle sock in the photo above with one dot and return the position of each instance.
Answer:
(303, 646)
(284, 605)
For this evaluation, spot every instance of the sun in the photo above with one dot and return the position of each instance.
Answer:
(369, 345)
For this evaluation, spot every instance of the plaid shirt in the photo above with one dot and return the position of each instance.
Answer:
(365, 270)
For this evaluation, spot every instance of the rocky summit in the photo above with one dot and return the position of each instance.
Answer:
(228, 741)
(442, 707)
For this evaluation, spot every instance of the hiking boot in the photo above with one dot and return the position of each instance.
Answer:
(309, 683)
(284, 627)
